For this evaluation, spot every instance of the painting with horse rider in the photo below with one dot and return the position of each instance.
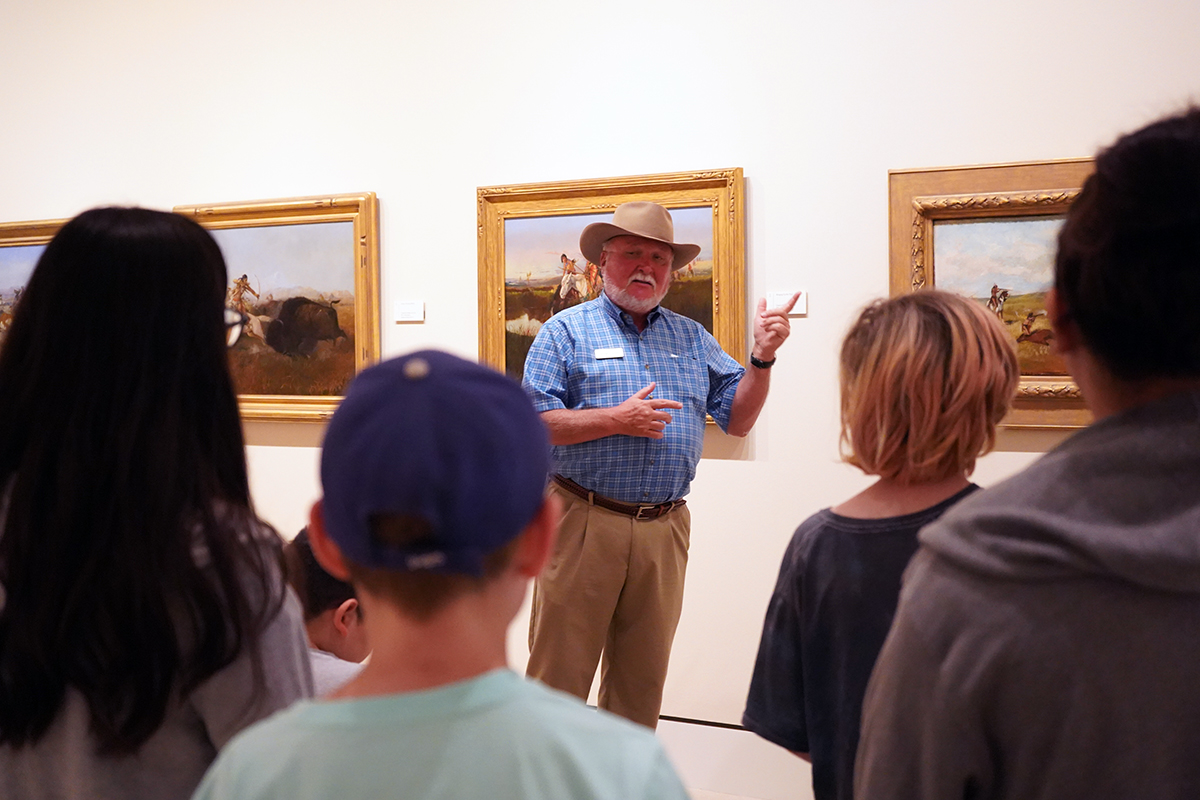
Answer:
(544, 273)
(1007, 266)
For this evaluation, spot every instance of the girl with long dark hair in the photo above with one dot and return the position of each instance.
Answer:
(143, 618)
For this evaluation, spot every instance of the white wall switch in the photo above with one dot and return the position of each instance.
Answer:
(410, 311)
(779, 299)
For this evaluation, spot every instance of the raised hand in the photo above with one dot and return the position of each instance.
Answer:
(771, 327)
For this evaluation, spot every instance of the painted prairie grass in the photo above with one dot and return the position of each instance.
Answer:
(257, 369)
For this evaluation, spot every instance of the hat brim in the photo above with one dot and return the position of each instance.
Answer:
(591, 244)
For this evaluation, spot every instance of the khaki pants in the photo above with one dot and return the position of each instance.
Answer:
(614, 586)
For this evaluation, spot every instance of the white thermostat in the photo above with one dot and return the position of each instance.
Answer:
(410, 311)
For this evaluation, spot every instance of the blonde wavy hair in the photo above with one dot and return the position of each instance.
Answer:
(925, 378)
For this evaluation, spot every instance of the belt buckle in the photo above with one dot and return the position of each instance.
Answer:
(648, 512)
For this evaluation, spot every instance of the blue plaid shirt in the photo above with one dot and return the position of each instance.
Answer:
(592, 356)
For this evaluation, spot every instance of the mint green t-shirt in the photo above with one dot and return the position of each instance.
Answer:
(494, 736)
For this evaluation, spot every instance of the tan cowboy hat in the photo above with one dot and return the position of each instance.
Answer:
(640, 218)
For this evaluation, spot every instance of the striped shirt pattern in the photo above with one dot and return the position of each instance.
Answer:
(592, 356)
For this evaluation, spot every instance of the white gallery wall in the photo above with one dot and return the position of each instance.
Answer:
(165, 103)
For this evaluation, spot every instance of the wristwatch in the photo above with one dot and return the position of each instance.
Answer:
(758, 362)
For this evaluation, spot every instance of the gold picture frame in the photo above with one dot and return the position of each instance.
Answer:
(550, 216)
(1035, 194)
(304, 344)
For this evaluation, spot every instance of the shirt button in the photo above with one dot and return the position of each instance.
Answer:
(652, 462)
(647, 366)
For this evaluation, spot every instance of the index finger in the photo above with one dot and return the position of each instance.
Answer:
(787, 307)
(644, 392)
(657, 402)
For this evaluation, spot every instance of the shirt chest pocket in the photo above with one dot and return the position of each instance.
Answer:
(683, 378)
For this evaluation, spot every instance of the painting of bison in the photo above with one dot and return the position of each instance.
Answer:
(301, 324)
(295, 284)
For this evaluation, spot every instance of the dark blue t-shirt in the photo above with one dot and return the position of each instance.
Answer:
(833, 604)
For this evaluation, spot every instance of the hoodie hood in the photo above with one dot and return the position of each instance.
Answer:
(1120, 499)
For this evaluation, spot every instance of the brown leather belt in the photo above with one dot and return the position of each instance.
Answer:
(628, 509)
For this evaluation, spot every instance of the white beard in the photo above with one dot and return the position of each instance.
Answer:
(637, 305)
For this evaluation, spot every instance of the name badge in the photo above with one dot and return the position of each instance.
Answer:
(610, 352)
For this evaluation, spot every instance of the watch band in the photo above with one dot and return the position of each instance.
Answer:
(758, 362)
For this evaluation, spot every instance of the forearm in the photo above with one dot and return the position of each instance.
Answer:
(572, 426)
(771, 329)
(748, 400)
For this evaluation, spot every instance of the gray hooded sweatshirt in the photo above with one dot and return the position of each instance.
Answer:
(1047, 641)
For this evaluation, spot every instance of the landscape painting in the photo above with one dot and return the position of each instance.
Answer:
(990, 232)
(1007, 265)
(544, 273)
(21, 245)
(16, 265)
(295, 284)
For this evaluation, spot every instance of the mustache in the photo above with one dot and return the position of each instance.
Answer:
(648, 278)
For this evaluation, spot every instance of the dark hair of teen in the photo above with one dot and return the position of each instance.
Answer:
(132, 566)
(318, 590)
(1127, 270)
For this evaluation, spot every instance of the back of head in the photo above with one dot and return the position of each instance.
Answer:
(431, 467)
(121, 447)
(317, 589)
(1127, 271)
(925, 378)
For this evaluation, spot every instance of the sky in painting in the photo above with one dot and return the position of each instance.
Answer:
(16, 265)
(317, 255)
(536, 244)
(1015, 254)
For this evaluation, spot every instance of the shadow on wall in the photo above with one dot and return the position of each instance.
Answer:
(728, 448)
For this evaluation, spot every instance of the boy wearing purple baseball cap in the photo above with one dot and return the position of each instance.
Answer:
(434, 472)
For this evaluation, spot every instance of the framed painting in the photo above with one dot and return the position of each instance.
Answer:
(989, 233)
(305, 272)
(530, 266)
(21, 245)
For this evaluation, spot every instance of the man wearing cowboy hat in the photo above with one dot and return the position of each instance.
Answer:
(624, 386)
